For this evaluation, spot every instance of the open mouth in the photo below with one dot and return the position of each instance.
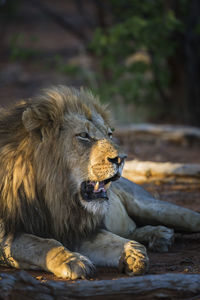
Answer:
(92, 190)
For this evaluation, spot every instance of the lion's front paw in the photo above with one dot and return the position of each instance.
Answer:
(69, 265)
(134, 259)
(161, 239)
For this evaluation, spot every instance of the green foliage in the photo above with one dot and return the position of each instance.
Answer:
(134, 51)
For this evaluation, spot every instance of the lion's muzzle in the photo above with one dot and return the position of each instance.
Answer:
(91, 189)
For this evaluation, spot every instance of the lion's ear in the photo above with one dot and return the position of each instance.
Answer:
(36, 123)
(30, 120)
(40, 119)
(44, 113)
(38, 116)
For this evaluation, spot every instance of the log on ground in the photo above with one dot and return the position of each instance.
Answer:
(21, 285)
(146, 171)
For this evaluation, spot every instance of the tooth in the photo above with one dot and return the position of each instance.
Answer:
(96, 187)
(107, 186)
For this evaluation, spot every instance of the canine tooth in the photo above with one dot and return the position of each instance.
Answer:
(96, 187)
(107, 186)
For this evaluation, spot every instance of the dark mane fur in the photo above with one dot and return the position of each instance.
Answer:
(36, 196)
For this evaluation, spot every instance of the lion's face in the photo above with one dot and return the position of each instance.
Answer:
(82, 157)
(94, 158)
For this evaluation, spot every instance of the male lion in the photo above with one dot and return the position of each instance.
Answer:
(57, 202)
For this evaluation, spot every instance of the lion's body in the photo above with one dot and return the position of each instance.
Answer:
(57, 162)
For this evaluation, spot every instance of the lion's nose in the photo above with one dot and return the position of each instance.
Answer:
(118, 160)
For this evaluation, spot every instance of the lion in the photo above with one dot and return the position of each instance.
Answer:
(64, 207)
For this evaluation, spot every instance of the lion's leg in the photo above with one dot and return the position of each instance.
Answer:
(147, 210)
(26, 251)
(157, 238)
(108, 249)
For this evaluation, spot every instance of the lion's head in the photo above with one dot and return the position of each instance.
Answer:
(59, 154)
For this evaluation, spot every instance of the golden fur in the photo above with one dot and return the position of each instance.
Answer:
(56, 155)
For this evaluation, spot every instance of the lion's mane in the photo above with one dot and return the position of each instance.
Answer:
(37, 192)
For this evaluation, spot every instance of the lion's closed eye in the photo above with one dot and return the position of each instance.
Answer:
(84, 136)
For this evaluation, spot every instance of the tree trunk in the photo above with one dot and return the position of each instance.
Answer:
(192, 48)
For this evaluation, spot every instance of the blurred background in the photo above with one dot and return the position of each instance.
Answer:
(141, 57)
